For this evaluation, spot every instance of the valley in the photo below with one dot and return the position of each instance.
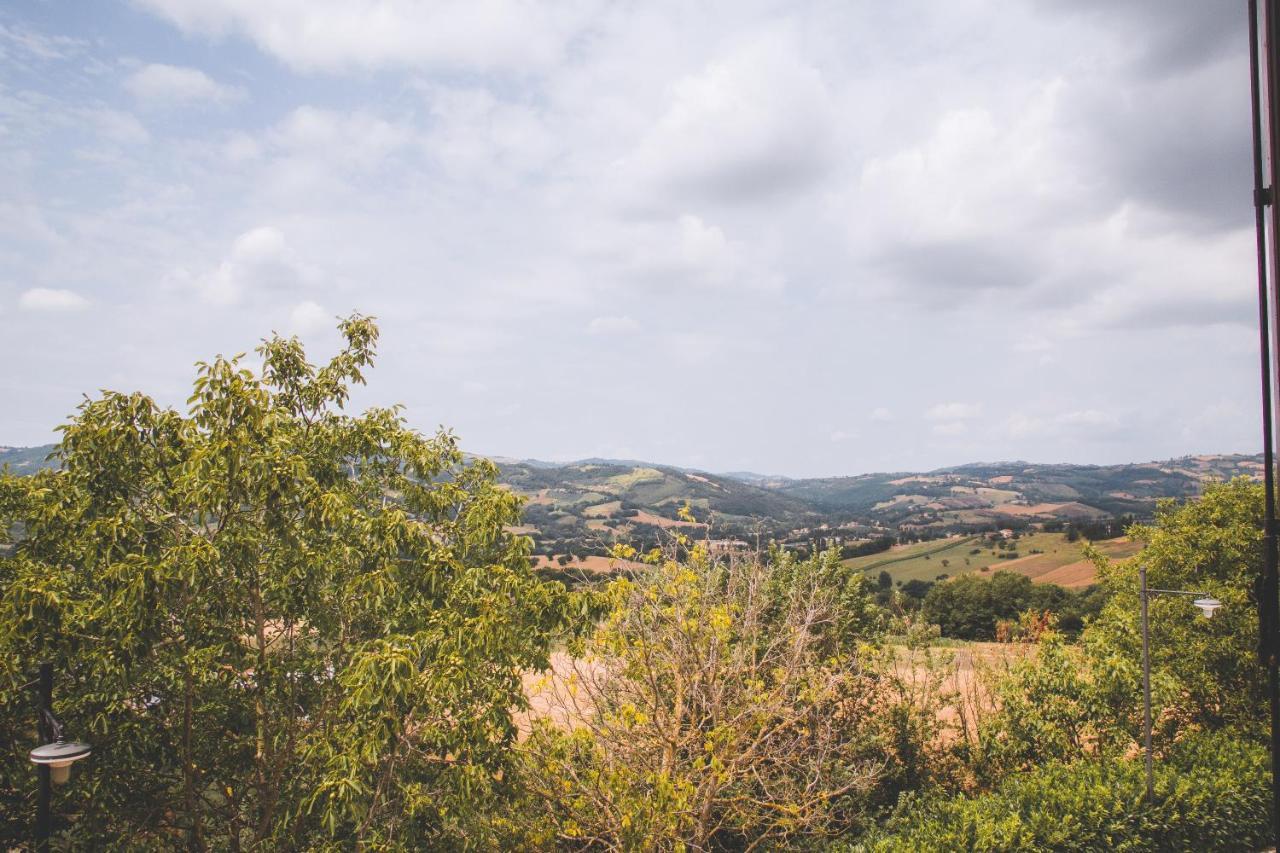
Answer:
(917, 526)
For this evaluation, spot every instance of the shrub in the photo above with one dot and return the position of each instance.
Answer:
(1212, 794)
(717, 702)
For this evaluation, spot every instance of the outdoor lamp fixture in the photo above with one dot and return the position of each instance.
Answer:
(59, 755)
(54, 757)
(1207, 605)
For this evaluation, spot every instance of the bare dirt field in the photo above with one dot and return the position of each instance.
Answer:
(643, 517)
(603, 510)
(1033, 509)
(590, 565)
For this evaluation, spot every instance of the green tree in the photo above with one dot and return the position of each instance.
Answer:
(281, 625)
(970, 606)
(1205, 675)
(1206, 672)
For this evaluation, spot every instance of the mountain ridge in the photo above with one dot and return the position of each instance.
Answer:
(584, 507)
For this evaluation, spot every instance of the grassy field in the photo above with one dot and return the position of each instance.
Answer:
(1059, 562)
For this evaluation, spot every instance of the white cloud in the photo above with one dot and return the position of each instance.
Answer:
(977, 174)
(954, 411)
(52, 300)
(612, 326)
(881, 414)
(755, 122)
(259, 261)
(312, 148)
(1020, 424)
(950, 429)
(475, 135)
(309, 317)
(840, 435)
(172, 84)
(332, 35)
(18, 39)
(242, 148)
(1088, 417)
(681, 252)
(117, 126)
(1069, 424)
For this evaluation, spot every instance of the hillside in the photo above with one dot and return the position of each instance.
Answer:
(1014, 492)
(581, 508)
(1044, 557)
(25, 460)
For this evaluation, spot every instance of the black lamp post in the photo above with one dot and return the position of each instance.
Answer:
(1264, 77)
(54, 757)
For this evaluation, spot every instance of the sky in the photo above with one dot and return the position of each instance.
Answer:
(802, 238)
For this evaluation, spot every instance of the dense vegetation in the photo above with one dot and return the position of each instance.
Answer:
(973, 607)
(1210, 794)
(268, 652)
(285, 627)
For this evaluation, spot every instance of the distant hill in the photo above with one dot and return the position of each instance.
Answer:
(991, 491)
(25, 460)
(582, 507)
(603, 500)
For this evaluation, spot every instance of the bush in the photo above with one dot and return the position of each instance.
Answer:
(717, 703)
(1212, 794)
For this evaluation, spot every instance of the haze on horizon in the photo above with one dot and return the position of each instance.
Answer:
(806, 238)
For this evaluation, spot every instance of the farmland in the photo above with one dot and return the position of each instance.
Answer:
(1044, 557)
(580, 510)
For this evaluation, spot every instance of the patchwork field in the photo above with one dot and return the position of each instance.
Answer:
(1057, 561)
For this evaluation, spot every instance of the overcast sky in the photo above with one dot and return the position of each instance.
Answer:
(807, 238)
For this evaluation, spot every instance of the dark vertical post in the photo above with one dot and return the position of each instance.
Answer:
(1263, 196)
(44, 710)
(1146, 680)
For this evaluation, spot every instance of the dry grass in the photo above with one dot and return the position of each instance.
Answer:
(603, 510)
(965, 687)
(593, 565)
(968, 684)
(553, 695)
(644, 517)
(1051, 568)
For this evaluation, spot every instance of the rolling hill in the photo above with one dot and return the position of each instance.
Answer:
(581, 508)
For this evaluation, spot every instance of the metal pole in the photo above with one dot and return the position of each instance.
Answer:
(1146, 679)
(44, 822)
(1263, 196)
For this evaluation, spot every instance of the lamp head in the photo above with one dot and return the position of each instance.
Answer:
(1207, 606)
(59, 756)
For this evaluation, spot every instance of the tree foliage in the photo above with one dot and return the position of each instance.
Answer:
(280, 625)
(720, 703)
(972, 607)
(1068, 702)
